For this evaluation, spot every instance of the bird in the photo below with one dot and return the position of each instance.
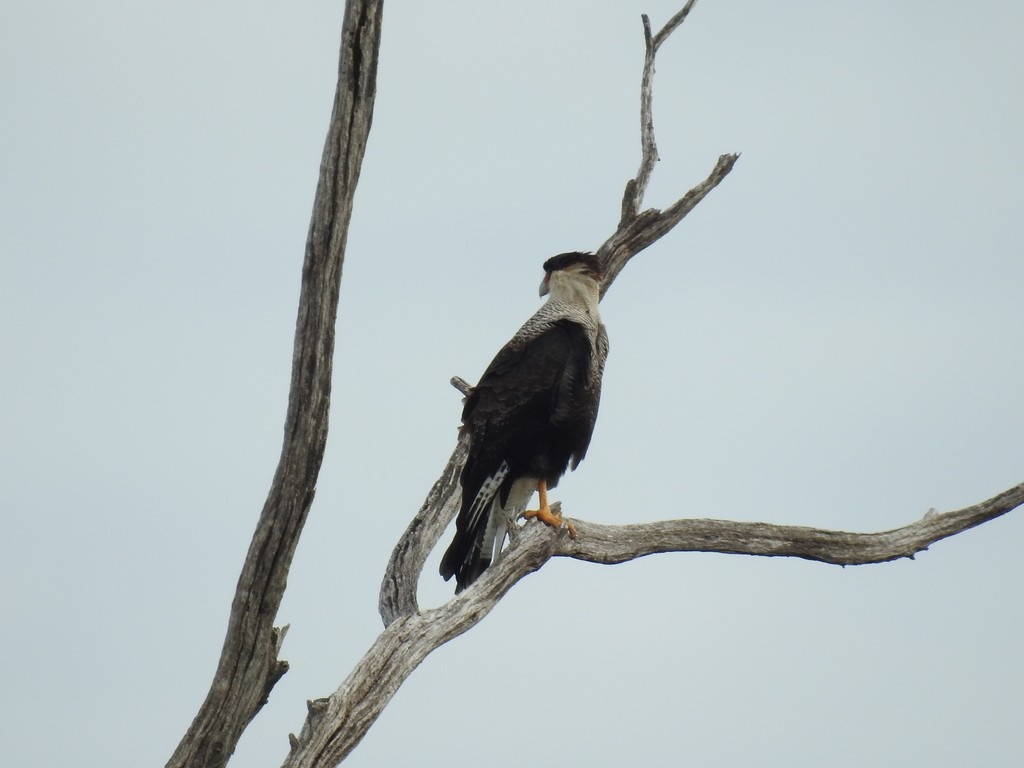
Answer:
(530, 416)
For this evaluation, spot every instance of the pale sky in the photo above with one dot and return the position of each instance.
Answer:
(833, 338)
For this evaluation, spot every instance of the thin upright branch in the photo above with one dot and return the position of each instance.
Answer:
(638, 228)
(634, 196)
(249, 665)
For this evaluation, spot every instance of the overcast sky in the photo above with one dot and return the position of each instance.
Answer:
(832, 338)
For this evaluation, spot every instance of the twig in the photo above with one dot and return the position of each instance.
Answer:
(461, 384)
(672, 24)
(651, 225)
(633, 197)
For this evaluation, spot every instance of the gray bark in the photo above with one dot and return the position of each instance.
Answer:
(249, 665)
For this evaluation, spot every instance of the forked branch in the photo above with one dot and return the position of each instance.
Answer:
(638, 228)
(633, 197)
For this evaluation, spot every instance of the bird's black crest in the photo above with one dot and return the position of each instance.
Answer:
(590, 263)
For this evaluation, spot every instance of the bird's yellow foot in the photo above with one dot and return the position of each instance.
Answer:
(553, 519)
(545, 514)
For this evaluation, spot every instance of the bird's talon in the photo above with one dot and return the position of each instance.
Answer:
(553, 519)
(545, 515)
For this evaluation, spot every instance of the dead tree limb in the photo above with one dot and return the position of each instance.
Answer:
(638, 229)
(635, 190)
(249, 665)
(610, 544)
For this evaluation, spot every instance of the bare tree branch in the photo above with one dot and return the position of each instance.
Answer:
(248, 666)
(638, 229)
(670, 25)
(608, 544)
(335, 725)
(647, 227)
(633, 197)
(401, 577)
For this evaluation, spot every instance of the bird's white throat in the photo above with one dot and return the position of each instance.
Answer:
(576, 290)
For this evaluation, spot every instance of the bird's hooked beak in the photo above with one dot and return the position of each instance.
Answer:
(544, 284)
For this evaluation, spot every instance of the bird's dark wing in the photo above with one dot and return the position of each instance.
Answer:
(527, 398)
(529, 392)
